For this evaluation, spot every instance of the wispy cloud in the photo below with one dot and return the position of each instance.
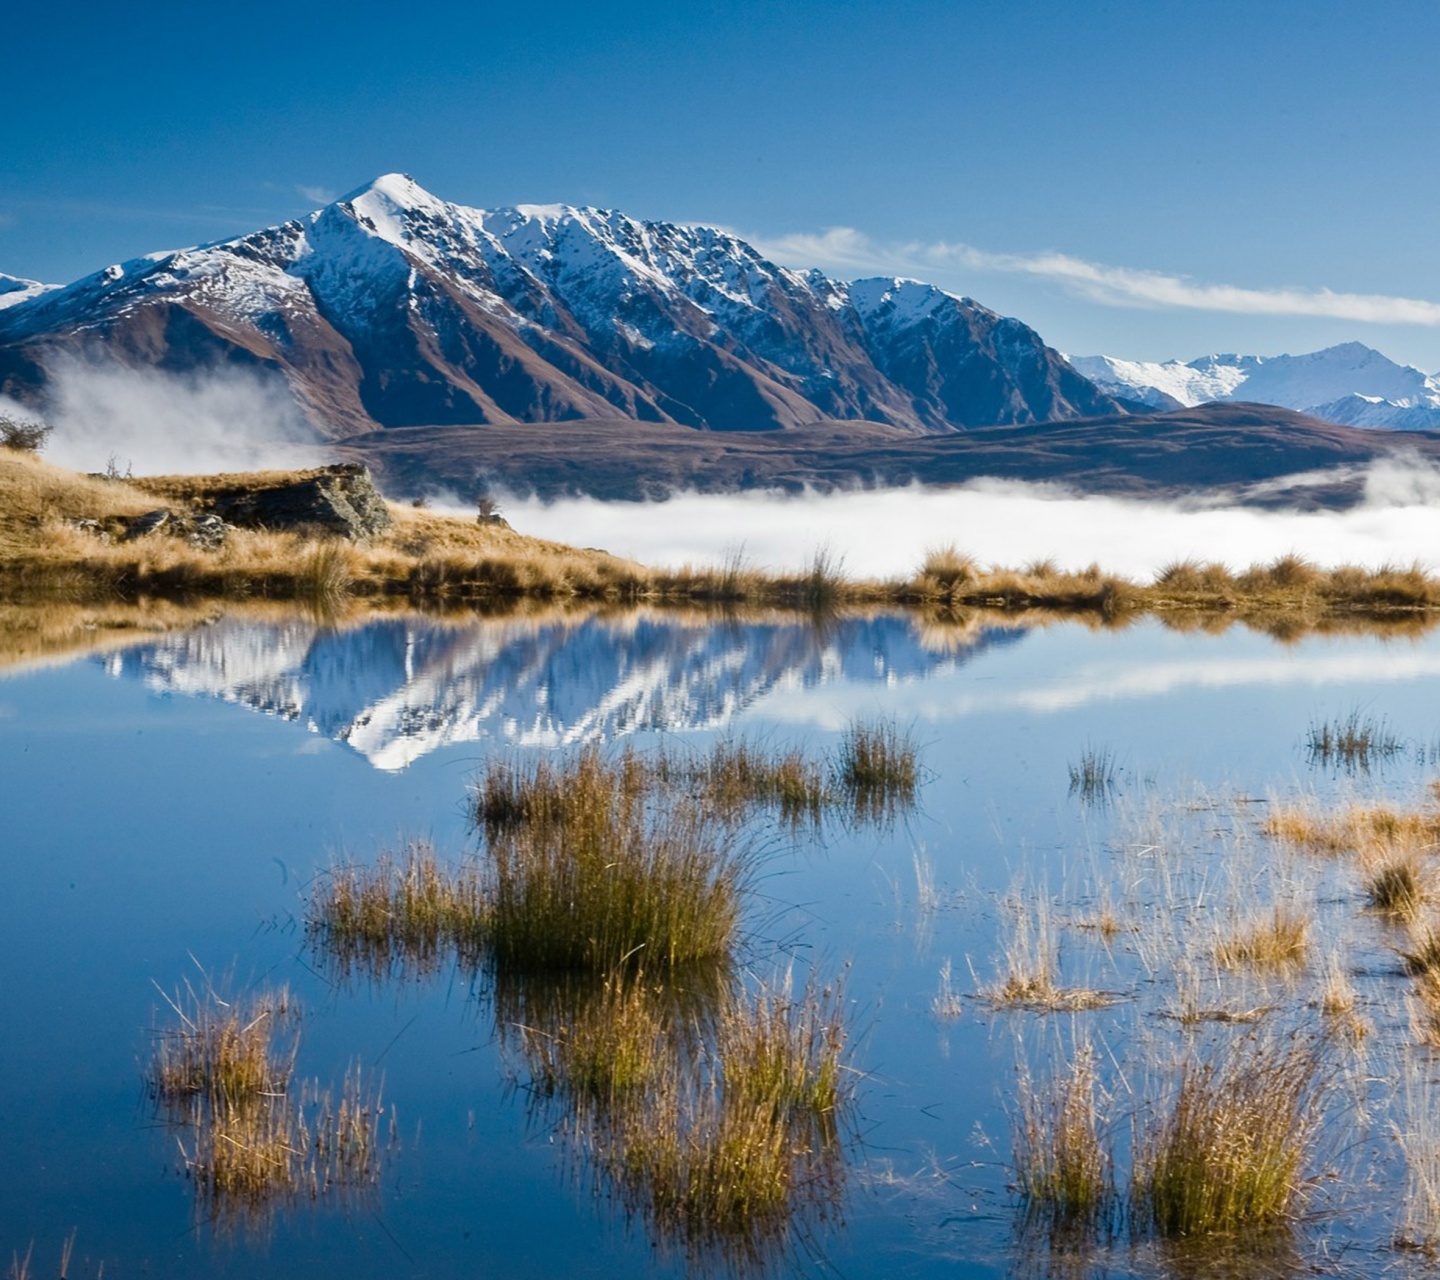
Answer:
(316, 195)
(846, 249)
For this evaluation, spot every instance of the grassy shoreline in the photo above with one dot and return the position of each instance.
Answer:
(431, 560)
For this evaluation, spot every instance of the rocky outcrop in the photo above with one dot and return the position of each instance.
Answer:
(340, 499)
(204, 530)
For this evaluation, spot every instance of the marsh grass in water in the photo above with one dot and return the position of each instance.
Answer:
(1396, 883)
(250, 1136)
(732, 1150)
(736, 776)
(1063, 1160)
(406, 914)
(1030, 963)
(1093, 776)
(1368, 829)
(877, 769)
(604, 878)
(1279, 940)
(1354, 742)
(227, 1053)
(1226, 1151)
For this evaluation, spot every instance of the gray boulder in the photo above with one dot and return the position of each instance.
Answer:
(339, 499)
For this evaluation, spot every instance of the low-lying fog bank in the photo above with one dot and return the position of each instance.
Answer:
(882, 533)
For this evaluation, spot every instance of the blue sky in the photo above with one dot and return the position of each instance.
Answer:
(1142, 179)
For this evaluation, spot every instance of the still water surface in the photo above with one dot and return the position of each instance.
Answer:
(168, 804)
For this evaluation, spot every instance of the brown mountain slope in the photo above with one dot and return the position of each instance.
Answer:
(1247, 449)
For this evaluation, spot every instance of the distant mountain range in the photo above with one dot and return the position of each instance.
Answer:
(430, 339)
(1350, 384)
(392, 308)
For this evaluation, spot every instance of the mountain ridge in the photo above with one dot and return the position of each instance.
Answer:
(393, 308)
(1349, 384)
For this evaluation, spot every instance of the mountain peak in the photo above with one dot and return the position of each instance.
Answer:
(1348, 383)
(392, 307)
(397, 188)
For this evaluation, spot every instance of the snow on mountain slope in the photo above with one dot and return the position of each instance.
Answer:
(14, 290)
(392, 307)
(1169, 385)
(1351, 384)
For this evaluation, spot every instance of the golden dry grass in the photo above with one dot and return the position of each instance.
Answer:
(1277, 940)
(1029, 977)
(403, 916)
(1378, 829)
(438, 558)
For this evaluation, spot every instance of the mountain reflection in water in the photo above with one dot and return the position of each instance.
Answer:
(397, 688)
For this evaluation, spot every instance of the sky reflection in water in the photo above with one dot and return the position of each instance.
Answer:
(153, 826)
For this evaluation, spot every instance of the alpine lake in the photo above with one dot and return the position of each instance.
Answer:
(1062, 931)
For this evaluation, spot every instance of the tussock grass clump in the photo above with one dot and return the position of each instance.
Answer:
(568, 792)
(249, 1136)
(737, 775)
(248, 1160)
(1423, 954)
(729, 1148)
(224, 1051)
(1280, 940)
(785, 1049)
(1356, 828)
(593, 877)
(1353, 742)
(877, 768)
(1395, 883)
(404, 914)
(1092, 777)
(1063, 1164)
(943, 573)
(599, 1044)
(1227, 1152)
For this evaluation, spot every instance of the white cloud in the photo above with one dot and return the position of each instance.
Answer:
(885, 532)
(154, 422)
(846, 249)
(316, 195)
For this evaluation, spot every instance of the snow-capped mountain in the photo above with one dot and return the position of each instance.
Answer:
(14, 290)
(391, 307)
(1351, 384)
(396, 689)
